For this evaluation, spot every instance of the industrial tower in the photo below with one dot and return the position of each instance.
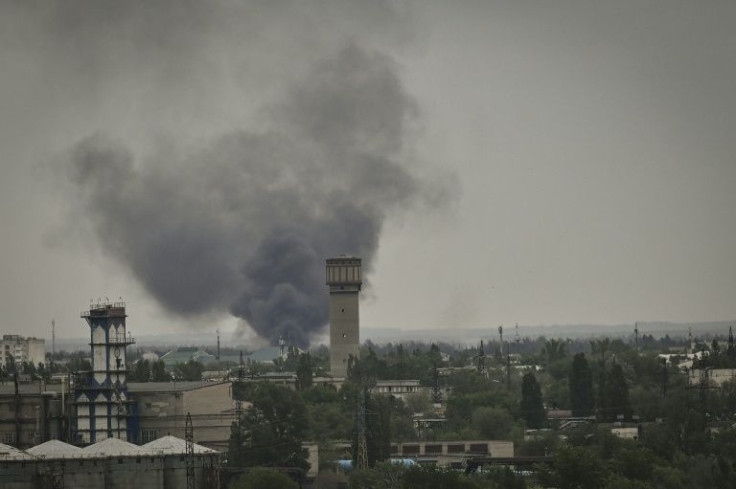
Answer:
(101, 395)
(344, 279)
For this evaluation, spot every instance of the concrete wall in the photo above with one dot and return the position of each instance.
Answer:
(18, 475)
(134, 472)
(38, 415)
(176, 471)
(344, 330)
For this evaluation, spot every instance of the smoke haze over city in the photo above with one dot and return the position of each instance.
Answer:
(492, 163)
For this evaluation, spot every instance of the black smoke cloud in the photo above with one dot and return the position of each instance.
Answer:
(244, 222)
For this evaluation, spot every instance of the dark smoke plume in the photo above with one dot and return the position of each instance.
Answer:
(244, 223)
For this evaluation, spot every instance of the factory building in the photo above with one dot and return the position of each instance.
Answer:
(162, 408)
(18, 350)
(38, 412)
(109, 464)
(344, 279)
(99, 404)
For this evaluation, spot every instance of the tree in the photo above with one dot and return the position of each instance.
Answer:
(554, 350)
(262, 478)
(304, 372)
(574, 468)
(491, 422)
(141, 372)
(532, 408)
(418, 477)
(384, 475)
(271, 431)
(192, 370)
(617, 395)
(581, 386)
(158, 372)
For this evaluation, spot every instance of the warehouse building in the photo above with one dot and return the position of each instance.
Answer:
(108, 464)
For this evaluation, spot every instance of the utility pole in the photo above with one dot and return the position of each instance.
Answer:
(636, 336)
(481, 359)
(500, 339)
(508, 365)
(436, 392)
(362, 456)
(218, 344)
(189, 439)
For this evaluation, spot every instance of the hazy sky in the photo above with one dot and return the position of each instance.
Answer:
(539, 162)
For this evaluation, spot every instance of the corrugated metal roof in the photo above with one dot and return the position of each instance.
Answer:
(113, 447)
(173, 445)
(11, 453)
(55, 449)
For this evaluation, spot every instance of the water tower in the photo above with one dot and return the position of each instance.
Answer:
(344, 278)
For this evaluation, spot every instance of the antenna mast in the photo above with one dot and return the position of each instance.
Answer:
(53, 338)
(218, 344)
(636, 335)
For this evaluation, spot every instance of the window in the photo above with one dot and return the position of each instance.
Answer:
(433, 449)
(411, 449)
(479, 448)
(456, 448)
(148, 435)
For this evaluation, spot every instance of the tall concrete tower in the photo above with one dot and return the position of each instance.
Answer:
(101, 396)
(344, 279)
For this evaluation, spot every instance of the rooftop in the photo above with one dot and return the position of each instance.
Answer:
(113, 447)
(173, 445)
(11, 453)
(55, 449)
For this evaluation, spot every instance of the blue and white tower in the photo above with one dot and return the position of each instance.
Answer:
(101, 395)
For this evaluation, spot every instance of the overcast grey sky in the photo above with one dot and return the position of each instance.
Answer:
(539, 162)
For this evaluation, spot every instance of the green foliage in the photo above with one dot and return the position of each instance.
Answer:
(417, 477)
(492, 423)
(384, 475)
(554, 350)
(190, 371)
(304, 372)
(146, 371)
(616, 400)
(574, 468)
(532, 408)
(262, 478)
(581, 387)
(271, 431)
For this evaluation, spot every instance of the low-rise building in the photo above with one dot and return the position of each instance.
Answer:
(397, 388)
(444, 453)
(715, 377)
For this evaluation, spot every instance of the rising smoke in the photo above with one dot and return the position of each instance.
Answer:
(244, 222)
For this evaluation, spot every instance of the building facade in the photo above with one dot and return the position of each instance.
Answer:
(18, 349)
